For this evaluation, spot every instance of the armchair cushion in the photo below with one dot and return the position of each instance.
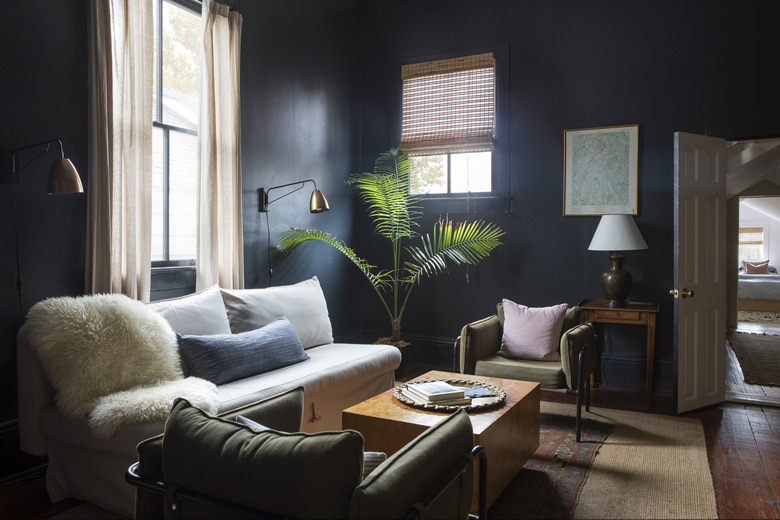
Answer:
(412, 472)
(531, 332)
(219, 457)
(282, 412)
(549, 374)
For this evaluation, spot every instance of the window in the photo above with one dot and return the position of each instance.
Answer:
(751, 243)
(448, 123)
(175, 134)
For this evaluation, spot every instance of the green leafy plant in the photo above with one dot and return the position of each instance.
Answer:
(394, 213)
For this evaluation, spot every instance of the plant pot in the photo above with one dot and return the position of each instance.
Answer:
(400, 345)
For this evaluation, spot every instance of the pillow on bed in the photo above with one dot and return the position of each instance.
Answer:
(755, 267)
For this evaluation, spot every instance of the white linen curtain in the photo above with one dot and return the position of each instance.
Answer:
(220, 231)
(119, 210)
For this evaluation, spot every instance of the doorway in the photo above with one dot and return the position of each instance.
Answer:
(754, 174)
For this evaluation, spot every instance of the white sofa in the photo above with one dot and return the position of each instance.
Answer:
(91, 467)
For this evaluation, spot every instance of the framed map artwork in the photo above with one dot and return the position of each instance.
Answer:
(600, 170)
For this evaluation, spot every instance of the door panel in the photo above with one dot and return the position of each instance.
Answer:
(700, 253)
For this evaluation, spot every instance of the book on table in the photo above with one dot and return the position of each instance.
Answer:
(444, 402)
(435, 391)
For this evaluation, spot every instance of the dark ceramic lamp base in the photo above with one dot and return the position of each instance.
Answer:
(616, 283)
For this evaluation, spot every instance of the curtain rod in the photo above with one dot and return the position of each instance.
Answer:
(230, 3)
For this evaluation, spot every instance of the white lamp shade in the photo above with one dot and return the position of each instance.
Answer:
(617, 233)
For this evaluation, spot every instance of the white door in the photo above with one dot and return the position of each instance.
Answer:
(700, 270)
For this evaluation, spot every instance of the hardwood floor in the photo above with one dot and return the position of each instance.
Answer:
(743, 446)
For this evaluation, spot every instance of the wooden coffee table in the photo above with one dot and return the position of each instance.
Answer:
(510, 434)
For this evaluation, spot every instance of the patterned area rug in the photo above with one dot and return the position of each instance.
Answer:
(759, 317)
(549, 484)
(759, 357)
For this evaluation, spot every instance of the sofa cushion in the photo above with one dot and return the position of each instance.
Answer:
(199, 313)
(532, 332)
(302, 303)
(93, 346)
(294, 474)
(222, 358)
(549, 374)
(336, 376)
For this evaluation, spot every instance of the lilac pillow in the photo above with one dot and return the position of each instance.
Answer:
(532, 332)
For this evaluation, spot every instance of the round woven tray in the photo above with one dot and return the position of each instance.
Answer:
(477, 404)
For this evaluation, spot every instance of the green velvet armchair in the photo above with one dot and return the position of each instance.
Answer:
(480, 341)
(213, 467)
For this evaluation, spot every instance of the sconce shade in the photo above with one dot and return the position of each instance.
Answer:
(318, 203)
(616, 233)
(63, 178)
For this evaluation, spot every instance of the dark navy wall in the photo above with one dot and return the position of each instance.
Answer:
(320, 99)
(299, 120)
(43, 95)
(299, 82)
(668, 66)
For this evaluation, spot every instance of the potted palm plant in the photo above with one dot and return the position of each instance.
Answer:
(393, 211)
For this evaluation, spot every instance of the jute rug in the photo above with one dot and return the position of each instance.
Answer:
(759, 357)
(759, 316)
(632, 465)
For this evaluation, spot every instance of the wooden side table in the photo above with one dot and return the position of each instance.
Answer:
(595, 311)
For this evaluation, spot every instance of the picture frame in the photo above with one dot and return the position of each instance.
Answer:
(600, 171)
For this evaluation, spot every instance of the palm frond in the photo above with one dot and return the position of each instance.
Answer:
(386, 195)
(462, 243)
(289, 240)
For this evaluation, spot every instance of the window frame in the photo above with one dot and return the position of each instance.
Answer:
(498, 200)
(763, 226)
(195, 7)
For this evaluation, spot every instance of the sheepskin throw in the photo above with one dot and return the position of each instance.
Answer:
(92, 347)
(149, 403)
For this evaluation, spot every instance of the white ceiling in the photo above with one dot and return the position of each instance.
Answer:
(749, 163)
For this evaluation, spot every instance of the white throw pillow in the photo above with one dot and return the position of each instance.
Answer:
(200, 313)
(302, 303)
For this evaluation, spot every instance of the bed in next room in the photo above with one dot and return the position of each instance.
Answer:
(758, 287)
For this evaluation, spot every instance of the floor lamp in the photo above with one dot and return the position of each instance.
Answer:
(63, 178)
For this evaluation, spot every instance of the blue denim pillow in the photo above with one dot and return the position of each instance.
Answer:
(222, 358)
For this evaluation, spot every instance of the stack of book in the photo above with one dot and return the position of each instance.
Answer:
(436, 392)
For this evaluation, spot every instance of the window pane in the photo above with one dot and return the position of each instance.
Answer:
(751, 252)
(157, 194)
(471, 172)
(429, 174)
(182, 209)
(181, 63)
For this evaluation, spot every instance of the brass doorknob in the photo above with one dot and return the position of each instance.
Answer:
(684, 293)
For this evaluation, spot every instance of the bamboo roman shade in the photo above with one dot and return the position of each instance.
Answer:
(449, 105)
(751, 236)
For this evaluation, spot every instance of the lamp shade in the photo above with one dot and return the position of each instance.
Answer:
(617, 233)
(318, 203)
(63, 178)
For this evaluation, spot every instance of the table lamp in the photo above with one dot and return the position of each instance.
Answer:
(616, 233)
